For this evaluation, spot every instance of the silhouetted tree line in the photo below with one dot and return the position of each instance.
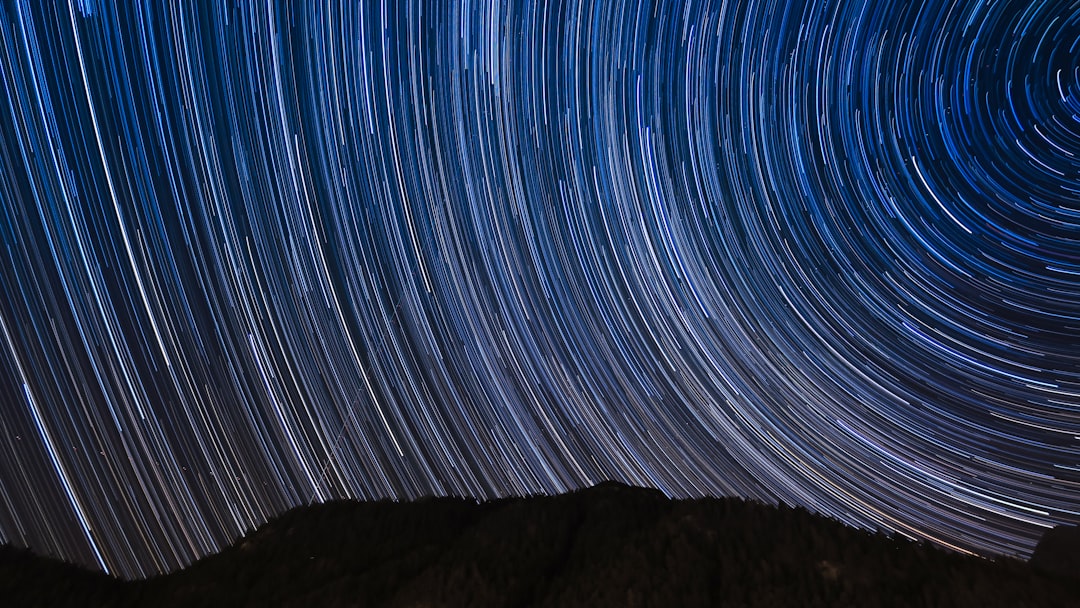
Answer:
(611, 545)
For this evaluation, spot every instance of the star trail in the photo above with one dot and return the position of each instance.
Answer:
(261, 255)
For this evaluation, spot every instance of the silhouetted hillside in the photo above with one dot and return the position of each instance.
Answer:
(29, 580)
(611, 545)
(1058, 552)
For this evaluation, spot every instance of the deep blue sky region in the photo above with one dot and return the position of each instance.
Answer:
(259, 255)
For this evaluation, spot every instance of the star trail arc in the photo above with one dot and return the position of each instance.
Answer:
(258, 255)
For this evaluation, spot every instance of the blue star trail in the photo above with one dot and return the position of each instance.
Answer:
(260, 255)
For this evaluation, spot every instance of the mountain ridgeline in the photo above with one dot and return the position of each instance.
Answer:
(611, 545)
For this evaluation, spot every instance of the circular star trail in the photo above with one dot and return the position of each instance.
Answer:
(255, 256)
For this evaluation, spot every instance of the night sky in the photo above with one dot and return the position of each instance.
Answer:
(259, 256)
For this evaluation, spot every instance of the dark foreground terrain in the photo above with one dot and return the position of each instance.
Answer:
(611, 545)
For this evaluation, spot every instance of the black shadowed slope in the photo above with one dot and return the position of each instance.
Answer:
(1058, 553)
(611, 545)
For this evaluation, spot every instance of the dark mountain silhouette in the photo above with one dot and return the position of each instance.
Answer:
(611, 545)
(1058, 552)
